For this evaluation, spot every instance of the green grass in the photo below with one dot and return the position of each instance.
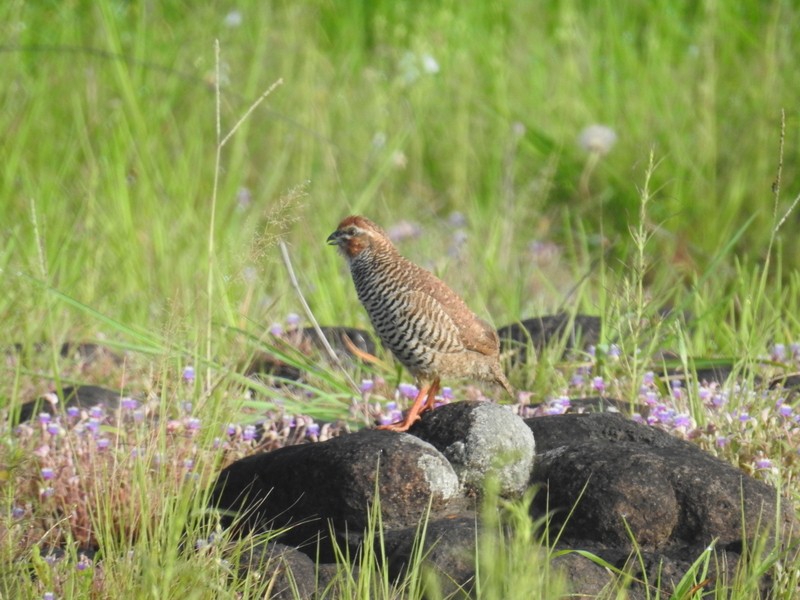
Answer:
(119, 222)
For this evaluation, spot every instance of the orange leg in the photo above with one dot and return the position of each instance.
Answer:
(431, 401)
(423, 402)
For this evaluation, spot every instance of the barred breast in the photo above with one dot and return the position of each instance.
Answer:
(411, 323)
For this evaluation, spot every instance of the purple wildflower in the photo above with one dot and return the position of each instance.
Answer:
(557, 406)
(188, 464)
(648, 378)
(249, 433)
(391, 417)
(17, 512)
(129, 403)
(722, 441)
(44, 417)
(763, 463)
(577, 380)
(103, 443)
(48, 596)
(778, 352)
(598, 384)
(785, 410)
(83, 563)
(188, 374)
(230, 429)
(312, 429)
(447, 393)
(53, 428)
(366, 386)
(244, 197)
(719, 399)
(293, 320)
(408, 390)
(73, 411)
(193, 423)
(97, 411)
(48, 473)
(276, 329)
(682, 420)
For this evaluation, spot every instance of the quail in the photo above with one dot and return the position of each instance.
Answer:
(424, 323)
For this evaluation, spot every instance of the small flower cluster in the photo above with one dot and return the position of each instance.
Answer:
(85, 460)
(661, 410)
(391, 411)
(292, 324)
(274, 432)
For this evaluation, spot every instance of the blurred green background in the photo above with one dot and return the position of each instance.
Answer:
(459, 120)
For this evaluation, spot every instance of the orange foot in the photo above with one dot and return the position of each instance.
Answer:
(422, 403)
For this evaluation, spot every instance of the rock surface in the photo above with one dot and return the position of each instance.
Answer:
(537, 332)
(606, 478)
(334, 482)
(481, 440)
(616, 478)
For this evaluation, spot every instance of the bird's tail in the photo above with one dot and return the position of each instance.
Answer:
(502, 381)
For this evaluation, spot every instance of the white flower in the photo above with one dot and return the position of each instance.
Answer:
(597, 139)
(429, 64)
(233, 19)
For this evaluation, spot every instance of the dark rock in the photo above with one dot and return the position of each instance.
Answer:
(790, 383)
(586, 578)
(329, 580)
(610, 472)
(292, 574)
(619, 485)
(670, 367)
(83, 396)
(480, 439)
(448, 548)
(338, 337)
(313, 486)
(89, 352)
(539, 332)
(574, 429)
(584, 405)
(86, 352)
(307, 342)
(264, 363)
(645, 572)
(602, 481)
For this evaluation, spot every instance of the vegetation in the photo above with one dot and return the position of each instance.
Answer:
(142, 206)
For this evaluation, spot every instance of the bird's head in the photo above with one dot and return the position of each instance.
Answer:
(356, 234)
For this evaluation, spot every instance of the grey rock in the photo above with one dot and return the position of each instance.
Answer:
(290, 573)
(481, 439)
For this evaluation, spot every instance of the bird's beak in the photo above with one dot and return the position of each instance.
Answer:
(334, 238)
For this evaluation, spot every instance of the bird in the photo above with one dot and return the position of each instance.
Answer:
(425, 324)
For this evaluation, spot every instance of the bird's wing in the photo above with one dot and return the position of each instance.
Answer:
(444, 307)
